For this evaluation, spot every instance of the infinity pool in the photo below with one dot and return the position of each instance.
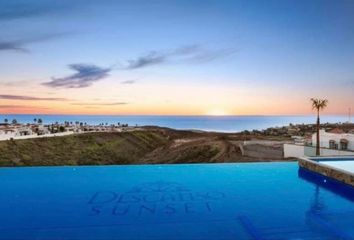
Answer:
(202, 201)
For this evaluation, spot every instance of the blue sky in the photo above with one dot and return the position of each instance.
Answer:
(175, 57)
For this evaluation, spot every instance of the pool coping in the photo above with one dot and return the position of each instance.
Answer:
(338, 174)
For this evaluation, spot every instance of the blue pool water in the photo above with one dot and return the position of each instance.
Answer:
(201, 201)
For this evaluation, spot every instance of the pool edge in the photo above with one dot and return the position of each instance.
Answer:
(328, 171)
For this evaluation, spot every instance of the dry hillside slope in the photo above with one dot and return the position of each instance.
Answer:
(151, 145)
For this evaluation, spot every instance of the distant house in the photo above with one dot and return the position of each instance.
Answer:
(42, 130)
(335, 139)
(301, 140)
(298, 140)
(24, 131)
(75, 129)
(13, 131)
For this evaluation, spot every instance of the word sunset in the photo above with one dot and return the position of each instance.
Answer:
(158, 198)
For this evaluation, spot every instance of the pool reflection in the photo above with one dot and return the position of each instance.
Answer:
(335, 223)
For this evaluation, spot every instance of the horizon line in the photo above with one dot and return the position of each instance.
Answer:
(176, 115)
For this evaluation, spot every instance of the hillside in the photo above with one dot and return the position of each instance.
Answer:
(150, 145)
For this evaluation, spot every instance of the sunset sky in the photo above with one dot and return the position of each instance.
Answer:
(176, 57)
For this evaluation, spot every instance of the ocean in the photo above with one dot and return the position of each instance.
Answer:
(206, 123)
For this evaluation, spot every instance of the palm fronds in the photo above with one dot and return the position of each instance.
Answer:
(319, 104)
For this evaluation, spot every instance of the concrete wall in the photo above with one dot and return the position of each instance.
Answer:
(298, 151)
(292, 150)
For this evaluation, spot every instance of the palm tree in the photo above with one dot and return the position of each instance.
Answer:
(40, 121)
(35, 120)
(6, 120)
(14, 121)
(318, 104)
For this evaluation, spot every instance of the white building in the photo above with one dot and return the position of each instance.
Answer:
(8, 132)
(333, 143)
(335, 139)
(42, 130)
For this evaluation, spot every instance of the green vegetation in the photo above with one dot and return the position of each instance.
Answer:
(82, 149)
(150, 145)
(61, 129)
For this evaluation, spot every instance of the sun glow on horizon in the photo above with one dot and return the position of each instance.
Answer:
(217, 112)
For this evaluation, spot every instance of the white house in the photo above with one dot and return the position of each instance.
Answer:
(335, 139)
(42, 130)
(8, 132)
(333, 143)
